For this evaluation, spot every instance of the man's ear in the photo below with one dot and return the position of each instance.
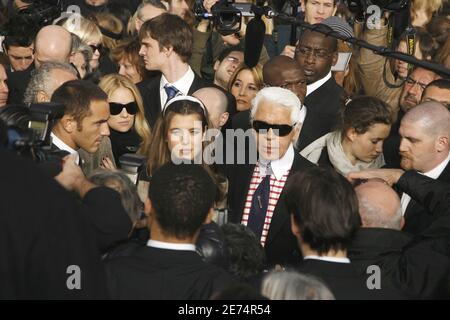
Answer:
(223, 118)
(209, 217)
(295, 228)
(68, 123)
(168, 50)
(297, 129)
(216, 65)
(335, 58)
(442, 143)
(42, 96)
(148, 211)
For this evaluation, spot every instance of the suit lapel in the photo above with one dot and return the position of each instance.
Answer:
(244, 176)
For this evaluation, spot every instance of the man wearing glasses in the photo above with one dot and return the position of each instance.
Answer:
(255, 190)
(409, 98)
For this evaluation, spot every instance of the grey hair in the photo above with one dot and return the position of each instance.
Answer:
(80, 47)
(291, 285)
(283, 97)
(120, 182)
(373, 217)
(41, 78)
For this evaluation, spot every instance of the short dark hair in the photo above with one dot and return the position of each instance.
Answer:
(440, 83)
(364, 111)
(18, 41)
(325, 208)
(77, 95)
(246, 256)
(181, 197)
(333, 41)
(225, 52)
(170, 30)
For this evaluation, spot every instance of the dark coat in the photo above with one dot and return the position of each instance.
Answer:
(281, 246)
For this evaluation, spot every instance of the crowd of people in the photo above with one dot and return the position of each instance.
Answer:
(320, 172)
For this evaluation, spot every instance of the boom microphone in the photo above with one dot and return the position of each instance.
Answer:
(254, 40)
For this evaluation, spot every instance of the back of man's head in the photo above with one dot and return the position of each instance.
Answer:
(53, 43)
(379, 206)
(324, 208)
(170, 31)
(46, 79)
(181, 197)
(77, 95)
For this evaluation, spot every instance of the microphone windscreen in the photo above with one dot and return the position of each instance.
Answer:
(254, 41)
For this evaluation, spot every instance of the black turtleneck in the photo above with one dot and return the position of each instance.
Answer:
(124, 142)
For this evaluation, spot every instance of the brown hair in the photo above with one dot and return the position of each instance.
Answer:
(129, 49)
(159, 153)
(169, 30)
(77, 96)
(257, 72)
(363, 112)
(109, 23)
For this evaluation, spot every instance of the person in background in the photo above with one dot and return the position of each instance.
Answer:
(129, 130)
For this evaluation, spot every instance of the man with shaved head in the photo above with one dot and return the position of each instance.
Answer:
(216, 104)
(53, 43)
(416, 266)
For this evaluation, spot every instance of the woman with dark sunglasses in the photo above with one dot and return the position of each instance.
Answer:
(129, 131)
(358, 144)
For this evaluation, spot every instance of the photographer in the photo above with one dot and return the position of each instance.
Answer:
(391, 72)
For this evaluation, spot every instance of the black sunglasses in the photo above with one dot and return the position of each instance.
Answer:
(280, 130)
(99, 48)
(116, 108)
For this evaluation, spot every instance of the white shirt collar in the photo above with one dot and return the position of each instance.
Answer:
(183, 85)
(171, 246)
(282, 166)
(328, 259)
(436, 172)
(310, 88)
(63, 146)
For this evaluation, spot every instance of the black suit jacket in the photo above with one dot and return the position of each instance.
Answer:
(418, 218)
(344, 282)
(17, 84)
(416, 265)
(152, 97)
(43, 231)
(323, 105)
(152, 273)
(281, 245)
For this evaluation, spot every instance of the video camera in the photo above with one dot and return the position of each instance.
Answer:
(38, 13)
(34, 142)
(225, 14)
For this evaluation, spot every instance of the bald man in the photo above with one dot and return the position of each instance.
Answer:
(415, 266)
(285, 72)
(53, 43)
(216, 104)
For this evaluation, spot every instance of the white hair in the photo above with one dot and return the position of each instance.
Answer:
(283, 97)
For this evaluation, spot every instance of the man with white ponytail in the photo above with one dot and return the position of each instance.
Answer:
(256, 190)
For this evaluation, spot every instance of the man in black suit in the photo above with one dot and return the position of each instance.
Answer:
(166, 45)
(84, 122)
(418, 266)
(424, 147)
(316, 54)
(46, 237)
(168, 267)
(255, 195)
(324, 217)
